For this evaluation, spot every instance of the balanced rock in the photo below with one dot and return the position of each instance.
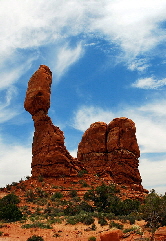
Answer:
(50, 156)
(113, 149)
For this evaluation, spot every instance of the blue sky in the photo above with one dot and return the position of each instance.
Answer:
(108, 60)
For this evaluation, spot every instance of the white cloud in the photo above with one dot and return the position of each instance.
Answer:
(133, 25)
(149, 120)
(153, 174)
(87, 115)
(66, 57)
(149, 83)
(138, 64)
(15, 163)
(73, 153)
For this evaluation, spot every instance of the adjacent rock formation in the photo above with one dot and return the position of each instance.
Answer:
(50, 157)
(92, 150)
(113, 149)
(123, 151)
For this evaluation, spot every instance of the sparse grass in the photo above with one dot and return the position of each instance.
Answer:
(37, 225)
(115, 225)
(135, 228)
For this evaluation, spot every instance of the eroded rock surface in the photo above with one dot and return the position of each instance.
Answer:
(50, 156)
(113, 149)
(92, 150)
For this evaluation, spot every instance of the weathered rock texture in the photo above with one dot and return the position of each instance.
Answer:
(113, 149)
(50, 157)
(92, 150)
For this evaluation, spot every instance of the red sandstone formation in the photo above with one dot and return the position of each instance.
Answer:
(113, 149)
(50, 157)
(107, 150)
(123, 151)
(92, 152)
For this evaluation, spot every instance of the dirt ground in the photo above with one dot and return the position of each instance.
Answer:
(62, 232)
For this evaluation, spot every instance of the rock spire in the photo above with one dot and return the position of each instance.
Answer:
(50, 157)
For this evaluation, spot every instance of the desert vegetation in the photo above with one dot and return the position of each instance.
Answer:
(100, 204)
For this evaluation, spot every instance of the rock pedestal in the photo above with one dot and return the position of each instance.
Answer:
(50, 156)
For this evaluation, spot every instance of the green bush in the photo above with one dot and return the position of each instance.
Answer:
(102, 221)
(73, 193)
(10, 213)
(35, 238)
(9, 199)
(82, 172)
(71, 210)
(30, 195)
(135, 229)
(115, 225)
(72, 220)
(37, 225)
(92, 238)
(56, 195)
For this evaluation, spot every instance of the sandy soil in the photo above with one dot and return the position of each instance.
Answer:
(14, 232)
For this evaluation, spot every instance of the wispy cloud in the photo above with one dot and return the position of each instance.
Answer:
(66, 57)
(133, 26)
(149, 83)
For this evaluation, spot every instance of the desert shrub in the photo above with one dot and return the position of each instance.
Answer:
(136, 229)
(93, 227)
(102, 221)
(87, 219)
(82, 172)
(83, 183)
(128, 206)
(85, 207)
(37, 225)
(92, 238)
(30, 195)
(40, 178)
(1, 233)
(115, 225)
(72, 220)
(40, 201)
(41, 193)
(53, 212)
(131, 219)
(82, 217)
(104, 198)
(35, 238)
(9, 199)
(73, 193)
(71, 210)
(154, 211)
(56, 195)
(10, 213)
(8, 187)
(110, 216)
(55, 220)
